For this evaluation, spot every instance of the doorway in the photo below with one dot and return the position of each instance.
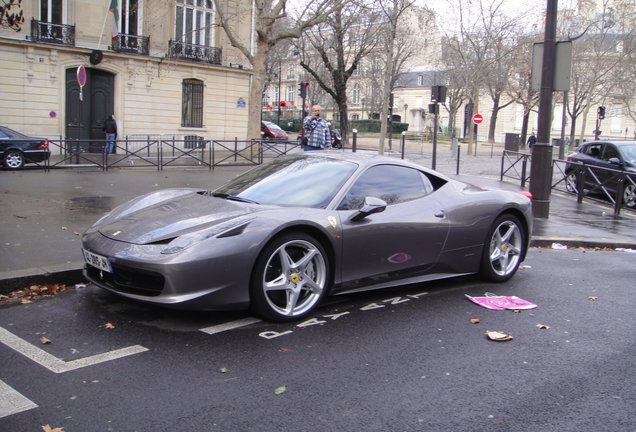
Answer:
(85, 119)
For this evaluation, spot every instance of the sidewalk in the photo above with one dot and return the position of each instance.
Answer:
(44, 213)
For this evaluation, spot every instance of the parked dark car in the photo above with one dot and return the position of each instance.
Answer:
(17, 149)
(610, 155)
(281, 236)
(272, 131)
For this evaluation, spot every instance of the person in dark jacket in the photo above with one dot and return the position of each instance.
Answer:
(532, 140)
(110, 130)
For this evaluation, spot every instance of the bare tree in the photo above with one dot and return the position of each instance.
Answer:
(332, 52)
(396, 52)
(268, 15)
(11, 14)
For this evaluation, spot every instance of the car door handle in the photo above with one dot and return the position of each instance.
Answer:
(440, 214)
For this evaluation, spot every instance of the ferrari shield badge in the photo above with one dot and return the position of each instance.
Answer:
(332, 221)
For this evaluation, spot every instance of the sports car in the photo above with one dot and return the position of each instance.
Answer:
(281, 236)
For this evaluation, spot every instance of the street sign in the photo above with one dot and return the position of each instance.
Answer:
(478, 118)
(81, 80)
(81, 76)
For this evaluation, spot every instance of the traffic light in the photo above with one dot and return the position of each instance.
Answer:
(601, 112)
(303, 89)
(438, 94)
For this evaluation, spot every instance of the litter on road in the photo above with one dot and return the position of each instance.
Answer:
(495, 302)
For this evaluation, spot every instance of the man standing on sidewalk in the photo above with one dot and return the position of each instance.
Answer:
(110, 130)
(316, 130)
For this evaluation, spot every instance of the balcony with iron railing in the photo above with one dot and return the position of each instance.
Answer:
(194, 52)
(131, 44)
(61, 34)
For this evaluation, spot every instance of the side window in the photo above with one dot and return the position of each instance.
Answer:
(192, 108)
(394, 184)
(610, 152)
(593, 150)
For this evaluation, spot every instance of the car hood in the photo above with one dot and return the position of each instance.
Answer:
(166, 220)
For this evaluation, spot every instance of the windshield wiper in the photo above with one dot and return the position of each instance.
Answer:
(233, 198)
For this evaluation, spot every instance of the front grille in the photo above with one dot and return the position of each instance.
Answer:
(128, 280)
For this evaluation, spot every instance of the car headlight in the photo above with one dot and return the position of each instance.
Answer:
(232, 227)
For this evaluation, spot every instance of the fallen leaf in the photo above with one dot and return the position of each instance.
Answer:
(280, 390)
(64, 228)
(76, 233)
(498, 336)
(474, 319)
(20, 217)
(25, 301)
(592, 298)
(543, 326)
(47, 428)
(285, 350)
(44, 341)
(108, 325)
(223, 370)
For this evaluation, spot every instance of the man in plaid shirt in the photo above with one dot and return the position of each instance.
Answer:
(316, 130)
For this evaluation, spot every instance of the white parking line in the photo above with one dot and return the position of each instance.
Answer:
(12, 402)
(229, 326)
(57, 365)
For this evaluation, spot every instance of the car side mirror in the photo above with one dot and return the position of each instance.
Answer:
(615, 161)
(371, 205)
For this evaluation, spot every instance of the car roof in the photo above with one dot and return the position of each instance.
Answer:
(365, 160)
(617, 143)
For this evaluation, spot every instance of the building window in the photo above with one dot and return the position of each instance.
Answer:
(291, 69)
(420, 80)
(355, 117)
(192, 110)
(277, 95)
(291, 90)
(195, 22)
(130, 17)
(355, 95)
(52, 11)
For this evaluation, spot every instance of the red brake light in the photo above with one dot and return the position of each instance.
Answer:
(44, 145)
(526, 194)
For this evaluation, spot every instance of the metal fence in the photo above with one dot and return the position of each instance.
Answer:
(164, 151)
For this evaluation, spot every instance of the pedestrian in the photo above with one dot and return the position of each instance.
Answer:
(110, 130)
(316, 131)
(532, 140)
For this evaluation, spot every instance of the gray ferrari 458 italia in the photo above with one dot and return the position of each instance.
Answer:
(281, 236)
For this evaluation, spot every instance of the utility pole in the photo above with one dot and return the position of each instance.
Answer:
(541, 168)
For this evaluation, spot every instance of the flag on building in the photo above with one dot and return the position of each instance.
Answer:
(115, 11)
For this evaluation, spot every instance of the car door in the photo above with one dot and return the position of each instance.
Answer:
(609, 178)
(590, 155)
(404, 240)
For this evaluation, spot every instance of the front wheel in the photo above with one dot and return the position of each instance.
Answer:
(13, 159)
(290, 278)
(503, 248)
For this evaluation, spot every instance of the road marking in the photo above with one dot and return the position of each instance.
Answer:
(12, 402)
(57, 365)
(229, 326)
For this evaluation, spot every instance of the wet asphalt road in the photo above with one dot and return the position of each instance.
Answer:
(391, 360)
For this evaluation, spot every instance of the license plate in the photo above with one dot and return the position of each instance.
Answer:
(101, 262)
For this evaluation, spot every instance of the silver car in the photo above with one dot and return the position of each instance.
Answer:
(281, 236)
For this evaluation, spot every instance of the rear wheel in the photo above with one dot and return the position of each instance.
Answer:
(503, 248)
(570, 183)
(290, 278)
(13, 159)
(629, 197)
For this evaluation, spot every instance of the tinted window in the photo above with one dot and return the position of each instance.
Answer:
(610, 152)
(294, 181)
(593, 150)
(629, 153)
(392, 183)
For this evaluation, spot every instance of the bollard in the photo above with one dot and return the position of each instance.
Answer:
(403, 142)
(459, 152)
(354, 140)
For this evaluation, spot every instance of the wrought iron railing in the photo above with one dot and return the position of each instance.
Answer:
(62, 34)
(193, 52)
(131, 44)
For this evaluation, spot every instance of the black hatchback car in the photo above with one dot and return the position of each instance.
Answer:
(17, 149)
(611, 155)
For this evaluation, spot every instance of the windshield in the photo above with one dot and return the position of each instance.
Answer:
(629, 153)
(302, 181)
